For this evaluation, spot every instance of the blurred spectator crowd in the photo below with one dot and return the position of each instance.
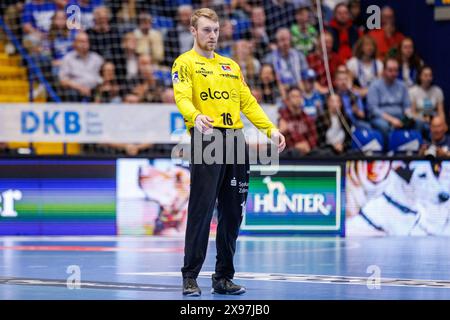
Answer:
(374, 83)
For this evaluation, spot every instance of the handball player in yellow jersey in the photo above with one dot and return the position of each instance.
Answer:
(210, 93)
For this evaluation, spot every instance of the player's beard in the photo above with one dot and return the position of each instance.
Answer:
(207, 46)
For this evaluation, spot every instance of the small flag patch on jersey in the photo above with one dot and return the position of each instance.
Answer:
(175, 78)
(226, 68)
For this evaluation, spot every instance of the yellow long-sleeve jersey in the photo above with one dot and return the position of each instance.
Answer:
(215, 87)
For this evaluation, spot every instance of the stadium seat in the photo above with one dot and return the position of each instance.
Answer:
(369, 140)
(164, 75)
(161, 22)
(404, 141)
(240, 27)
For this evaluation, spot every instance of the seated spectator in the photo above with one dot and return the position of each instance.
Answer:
(79, 72)
(298, 129)
(149, 41)
(225, 43)
(438, 145)
(304, 34)
(331, 127)
(427, 99)
(280, 14)
(268, 85)
(249, 65)
(37, 18)
(388, 100)
(145, 87)
(364, 66)
(60, 39)
(316, 62)
(87, 8)
(354, 7)
(287, 62)
(387, 38)
(353, 106)
(104, 38)
(179, 39)
(258, 33)
(409, 62)
(313, 100)
(109, 90)
(127, 66)
(344, 33)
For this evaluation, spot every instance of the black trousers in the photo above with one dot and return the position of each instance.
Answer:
(226, 183)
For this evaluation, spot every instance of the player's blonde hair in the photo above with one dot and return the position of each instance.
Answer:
(203, 12)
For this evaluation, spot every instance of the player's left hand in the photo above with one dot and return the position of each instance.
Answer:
(278, 138)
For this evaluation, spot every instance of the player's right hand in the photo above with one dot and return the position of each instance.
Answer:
(203, 123)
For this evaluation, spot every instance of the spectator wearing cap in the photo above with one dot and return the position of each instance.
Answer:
(149, 41)
(287, 62)
(344, 33)
(352, 103)
(304, 34)
(313, 100)
(387, 38)
(295, 125)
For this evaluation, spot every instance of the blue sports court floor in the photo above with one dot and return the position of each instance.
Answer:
(270, 268)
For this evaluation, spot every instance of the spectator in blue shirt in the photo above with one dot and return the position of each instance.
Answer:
(388, 99)
(60, 39)
(313, 100)
(352, 103)
(37, 18)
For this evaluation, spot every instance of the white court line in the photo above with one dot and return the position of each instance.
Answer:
(312, 278)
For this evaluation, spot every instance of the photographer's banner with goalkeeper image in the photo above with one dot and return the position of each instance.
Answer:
(298, 199)
(397, 198)
(152, 196)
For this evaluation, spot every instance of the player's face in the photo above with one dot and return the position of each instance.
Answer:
(206, 34)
